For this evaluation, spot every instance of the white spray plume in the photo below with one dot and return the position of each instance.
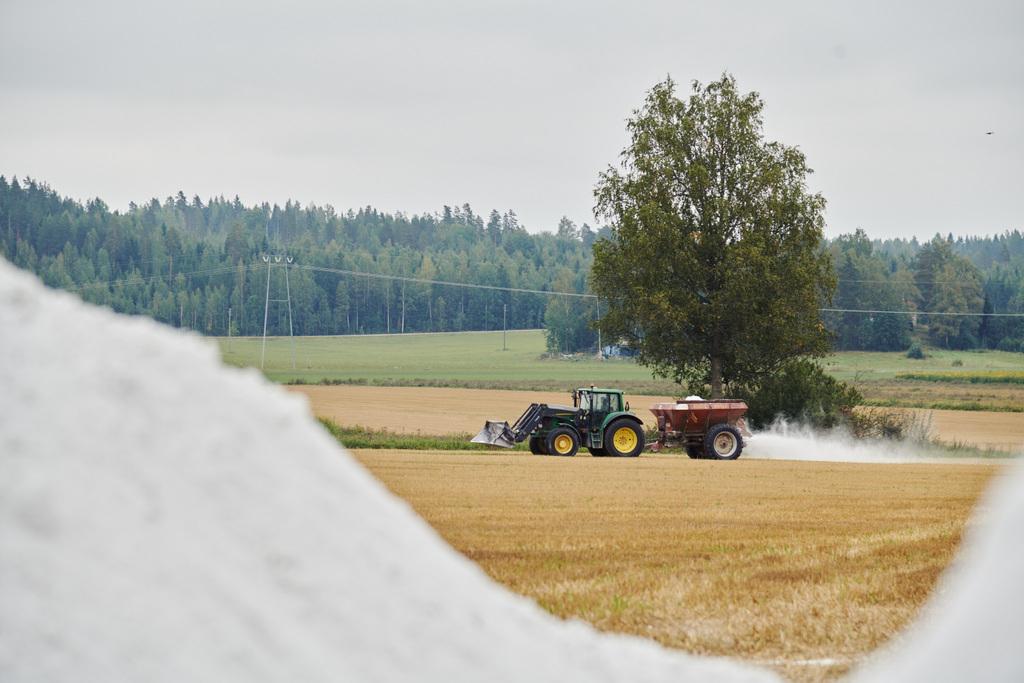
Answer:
(793, 441)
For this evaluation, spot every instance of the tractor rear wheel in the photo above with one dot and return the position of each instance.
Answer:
(624, 439)
(723, 442)
(537, 446)
(562, 441)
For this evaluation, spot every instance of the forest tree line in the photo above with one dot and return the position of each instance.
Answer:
(186, 263)
(981, 275)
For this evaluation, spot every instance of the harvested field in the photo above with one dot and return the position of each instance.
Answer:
(430, 410)
(995, 431)
(944, 395)
(801, 566)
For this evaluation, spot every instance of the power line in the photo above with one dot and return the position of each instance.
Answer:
(953, 313)
(424, 281)
(912, 282)
(149, 278)
(518, 290)
(342, 271)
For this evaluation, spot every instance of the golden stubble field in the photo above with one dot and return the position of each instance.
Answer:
(436, 410)
(987, 430)
(801, 566)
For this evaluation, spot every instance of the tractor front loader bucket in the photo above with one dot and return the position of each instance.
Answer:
(495, 434)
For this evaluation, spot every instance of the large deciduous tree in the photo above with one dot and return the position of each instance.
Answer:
(715, 271)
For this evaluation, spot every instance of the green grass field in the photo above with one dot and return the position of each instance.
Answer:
(457, 359)
(476, 359)
(857, 366)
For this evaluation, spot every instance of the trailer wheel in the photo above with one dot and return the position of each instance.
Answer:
(562, 441)
(624, 439)
(537, 446)
(695, 452)
(723, 442)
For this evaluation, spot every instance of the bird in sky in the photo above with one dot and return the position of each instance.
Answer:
(990, 132)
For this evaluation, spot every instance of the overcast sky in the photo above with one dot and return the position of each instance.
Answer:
(510, 105)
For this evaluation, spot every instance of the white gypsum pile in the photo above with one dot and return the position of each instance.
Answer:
(164, 518)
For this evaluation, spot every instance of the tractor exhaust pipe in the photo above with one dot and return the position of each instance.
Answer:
(495, 433)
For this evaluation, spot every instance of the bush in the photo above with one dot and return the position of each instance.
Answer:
(801, 391)
(991, 377)
(958, 363)
(876, 423)
(915, 351)
(1010, 344)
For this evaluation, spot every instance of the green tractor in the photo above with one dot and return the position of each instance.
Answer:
(598, 420)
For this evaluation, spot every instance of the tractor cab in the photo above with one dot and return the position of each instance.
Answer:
(596, 404)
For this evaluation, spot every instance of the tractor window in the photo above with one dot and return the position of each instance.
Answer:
(601, 403)
(584, 400)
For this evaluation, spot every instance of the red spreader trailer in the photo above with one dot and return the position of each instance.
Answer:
(706, 429)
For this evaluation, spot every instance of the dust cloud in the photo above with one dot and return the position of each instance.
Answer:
(793, 441)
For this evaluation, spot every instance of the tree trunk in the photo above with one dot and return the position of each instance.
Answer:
(716, 377)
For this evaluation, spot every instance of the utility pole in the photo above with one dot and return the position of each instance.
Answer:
(288, 290)
(600, 348)
(271, 260)
(229, 328)
(504, 310)
(266, 310)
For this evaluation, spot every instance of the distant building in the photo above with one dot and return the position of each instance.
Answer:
(616, 351)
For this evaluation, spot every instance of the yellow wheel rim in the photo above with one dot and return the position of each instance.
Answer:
(624, 439)
(563, 444)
